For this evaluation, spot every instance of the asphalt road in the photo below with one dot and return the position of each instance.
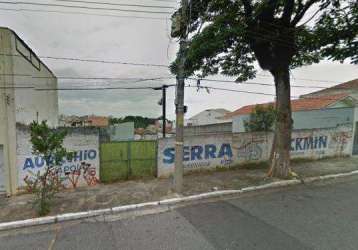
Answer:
(315, 216)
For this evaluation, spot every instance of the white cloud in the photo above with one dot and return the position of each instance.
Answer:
(135, 40)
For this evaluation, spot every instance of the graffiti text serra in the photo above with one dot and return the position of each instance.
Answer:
(307, 143)
(199, 152)
(79, 156)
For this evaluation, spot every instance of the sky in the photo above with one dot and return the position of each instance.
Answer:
(147, 41)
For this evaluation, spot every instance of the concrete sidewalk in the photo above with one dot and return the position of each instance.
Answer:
(131, 192)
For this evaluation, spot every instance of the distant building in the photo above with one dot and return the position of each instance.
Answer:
(350, 87)
(209, 116)
(84, 121)
(218, 128)
(96, 121)
(168, 126)
(121, 132)
(20, 71)
(307, 113)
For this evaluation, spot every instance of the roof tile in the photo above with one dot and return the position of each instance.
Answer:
(303, 104)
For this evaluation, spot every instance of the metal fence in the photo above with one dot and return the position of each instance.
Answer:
(128, 159)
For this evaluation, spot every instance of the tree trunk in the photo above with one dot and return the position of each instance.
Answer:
(280, 164)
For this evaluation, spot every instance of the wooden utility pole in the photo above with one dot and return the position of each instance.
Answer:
(179, 103)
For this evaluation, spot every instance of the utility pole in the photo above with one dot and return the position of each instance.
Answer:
(164, 104)
(179, 103)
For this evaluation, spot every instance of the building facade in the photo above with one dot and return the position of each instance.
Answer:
(27, 93)
(209, 116)
(308, 113)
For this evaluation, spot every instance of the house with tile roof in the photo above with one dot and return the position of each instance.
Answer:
(307, 113)
(350, 87)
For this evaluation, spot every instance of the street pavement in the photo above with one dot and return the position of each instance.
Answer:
(322, 215)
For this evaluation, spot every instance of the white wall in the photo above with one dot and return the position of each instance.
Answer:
(200, 152)
(320, 118)
(228, 150)
(206, 117)
(30, 104)
(2, 169)
(7, 112)
(84, 141)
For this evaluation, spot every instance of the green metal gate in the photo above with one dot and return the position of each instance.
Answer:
(127, 159)
(355, 141)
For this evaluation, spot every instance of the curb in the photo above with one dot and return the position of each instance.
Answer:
(173, 201)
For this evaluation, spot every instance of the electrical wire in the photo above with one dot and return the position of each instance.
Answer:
(81, 13)
(93, 60)
(85, 7)
(170, 85)
(117, 4)
(136, 80)
(262, 93)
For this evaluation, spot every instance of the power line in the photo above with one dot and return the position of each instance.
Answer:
(254, 83)
(85, 7)
(118, 4)
(262, 93)
(82, 89)
(81, 13)
(161, 78)
(93, 60)
(155, 88)
(135, 80)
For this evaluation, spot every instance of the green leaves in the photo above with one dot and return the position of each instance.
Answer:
(47, 142)
(227, 37)
(261, 119)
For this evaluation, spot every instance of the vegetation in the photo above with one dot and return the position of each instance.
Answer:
(47, 144)
(261, 119)
(227, 37)
(139, 121)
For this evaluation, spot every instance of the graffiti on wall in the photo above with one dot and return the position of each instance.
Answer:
(309, 143)
(81, 169)
(199, 152)
(340, 140)
(214, 151)
(251, 150)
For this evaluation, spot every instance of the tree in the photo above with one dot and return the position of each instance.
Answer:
(227, 37)
(261, 119)
(47, 144)
(139, 121)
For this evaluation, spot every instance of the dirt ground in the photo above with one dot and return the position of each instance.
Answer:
(136, 191)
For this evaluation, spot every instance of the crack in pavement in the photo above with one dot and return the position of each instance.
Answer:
(53, 241)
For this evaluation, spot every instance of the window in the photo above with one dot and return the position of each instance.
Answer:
(22, 48)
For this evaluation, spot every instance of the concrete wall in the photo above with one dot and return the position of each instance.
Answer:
(7, 112)
(85, 142)
(31, 104)
(121, 132)
(355, 131)
(205, 152)
(206, 117)
(21, 105)
(2, 169)
(200, 152)
(323, 118)
(208, 129)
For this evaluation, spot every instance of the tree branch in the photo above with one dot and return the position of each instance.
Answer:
(287, 11)
(302, 10)
(248, 8)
